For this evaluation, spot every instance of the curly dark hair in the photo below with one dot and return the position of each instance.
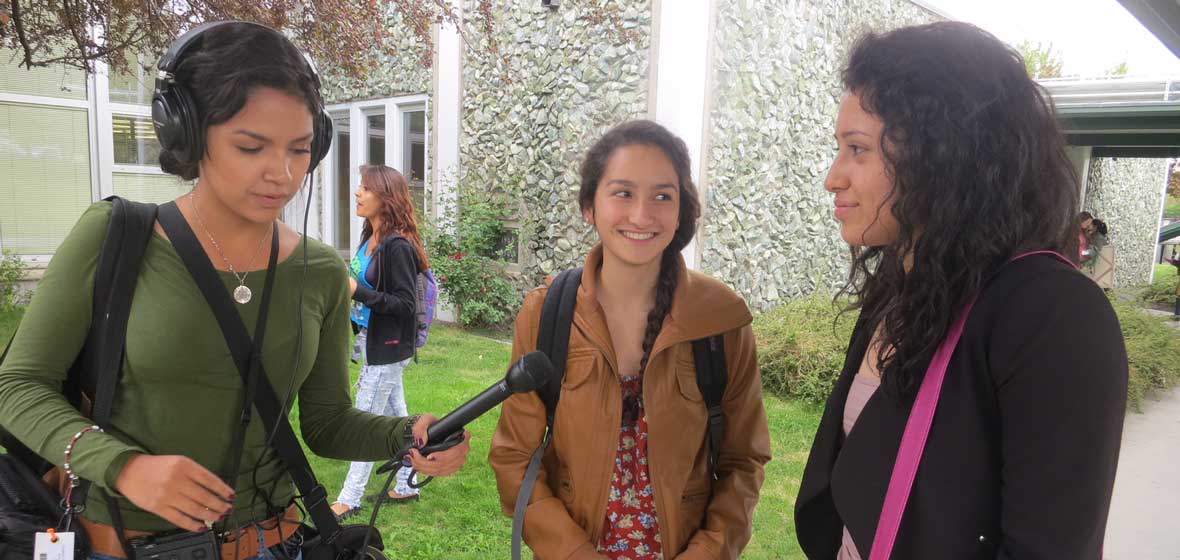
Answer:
(979, 172)
(224, 66)
(648, 133)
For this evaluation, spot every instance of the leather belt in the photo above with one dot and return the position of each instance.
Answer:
(237, 545)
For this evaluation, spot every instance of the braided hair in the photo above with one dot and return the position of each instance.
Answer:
(648, 133)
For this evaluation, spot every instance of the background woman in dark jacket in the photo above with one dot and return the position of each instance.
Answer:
(950, 164)
(382, 279)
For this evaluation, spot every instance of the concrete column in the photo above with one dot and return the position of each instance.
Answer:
(682, 33)
(1080, 157)
(447, 105)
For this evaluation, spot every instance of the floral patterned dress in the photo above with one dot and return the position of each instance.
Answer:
(631, 530)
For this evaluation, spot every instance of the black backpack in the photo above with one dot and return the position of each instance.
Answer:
(557, 317)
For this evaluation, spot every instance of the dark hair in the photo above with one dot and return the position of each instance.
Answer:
(979, 174)
(228, 63)
(648, 133)
(397, 208)
(1085, 215)
(1099, 226)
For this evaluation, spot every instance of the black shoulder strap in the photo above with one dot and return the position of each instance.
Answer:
(712, 378)
(269, 407)
(95, 374)
(553, 338)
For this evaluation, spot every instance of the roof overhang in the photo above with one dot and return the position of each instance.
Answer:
(1160, 17)
(1140, 130)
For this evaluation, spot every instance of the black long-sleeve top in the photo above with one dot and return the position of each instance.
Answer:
(1021, 457)
(392, 322)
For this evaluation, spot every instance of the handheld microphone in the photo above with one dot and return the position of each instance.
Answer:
(528, 373)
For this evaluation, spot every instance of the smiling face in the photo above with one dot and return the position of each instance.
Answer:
(858, 178)
(636, 207)
(256, 160)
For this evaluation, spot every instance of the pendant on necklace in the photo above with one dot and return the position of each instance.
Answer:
(242, 294)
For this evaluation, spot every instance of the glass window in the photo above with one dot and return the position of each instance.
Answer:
(45, 165)
(56, 80)
(343, 201)
(376, 139)
(135, 141)
(134, 86)
(149, 187)
(415, 157)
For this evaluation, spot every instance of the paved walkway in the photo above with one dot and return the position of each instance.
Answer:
(1145, 513)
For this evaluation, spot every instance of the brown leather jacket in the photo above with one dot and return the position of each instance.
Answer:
(566, 511)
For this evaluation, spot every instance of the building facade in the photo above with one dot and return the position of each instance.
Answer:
(752, 87)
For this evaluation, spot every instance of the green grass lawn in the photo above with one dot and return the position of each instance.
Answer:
(1164, 273)
(8, 322)
(1172, 207)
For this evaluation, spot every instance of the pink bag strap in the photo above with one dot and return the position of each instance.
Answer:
(917, 428)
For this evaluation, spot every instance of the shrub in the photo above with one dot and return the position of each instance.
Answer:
(1153, 352)
(11, 272)
(1162, 289)
(801, 346)
(470, 257)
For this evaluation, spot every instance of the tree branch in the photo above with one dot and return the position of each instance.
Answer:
(18, 22)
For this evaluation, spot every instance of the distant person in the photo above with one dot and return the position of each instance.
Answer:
(1174, 260)
(1085, 226)
(1094, 237)
(950, 165)
(384, 295)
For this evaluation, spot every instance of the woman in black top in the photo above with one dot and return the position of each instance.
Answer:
(383, 282)
(950, 164)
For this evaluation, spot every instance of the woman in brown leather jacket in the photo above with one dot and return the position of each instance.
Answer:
(627, 473)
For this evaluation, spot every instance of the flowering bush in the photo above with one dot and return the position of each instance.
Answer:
(468, 256)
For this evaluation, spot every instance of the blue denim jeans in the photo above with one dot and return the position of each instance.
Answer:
(380, 391)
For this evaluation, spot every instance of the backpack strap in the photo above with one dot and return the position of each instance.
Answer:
(96, 372)
(553, 338)
(712, 379)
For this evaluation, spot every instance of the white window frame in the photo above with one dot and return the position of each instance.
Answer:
(357, 112)
(125, 110)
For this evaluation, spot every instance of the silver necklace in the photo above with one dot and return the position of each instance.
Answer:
(242, 293)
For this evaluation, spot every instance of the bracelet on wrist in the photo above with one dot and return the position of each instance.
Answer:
(69, 452)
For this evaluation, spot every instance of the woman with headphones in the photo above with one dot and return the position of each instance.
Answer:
(238, 109)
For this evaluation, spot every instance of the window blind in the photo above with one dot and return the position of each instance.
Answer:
(44, 175)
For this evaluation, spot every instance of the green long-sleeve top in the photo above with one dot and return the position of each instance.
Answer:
(180, 392)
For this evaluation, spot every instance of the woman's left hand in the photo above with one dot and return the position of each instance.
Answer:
(439, 463)
(351, 285)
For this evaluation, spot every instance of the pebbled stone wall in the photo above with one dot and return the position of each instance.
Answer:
(1127, 194)
(769, 230)
(399, 74)
(563, 76)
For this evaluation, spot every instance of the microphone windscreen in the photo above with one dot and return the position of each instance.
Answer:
(532, 371)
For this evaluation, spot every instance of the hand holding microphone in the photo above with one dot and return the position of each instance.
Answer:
(431, 455)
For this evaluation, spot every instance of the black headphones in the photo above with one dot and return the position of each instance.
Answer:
(175, 114)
